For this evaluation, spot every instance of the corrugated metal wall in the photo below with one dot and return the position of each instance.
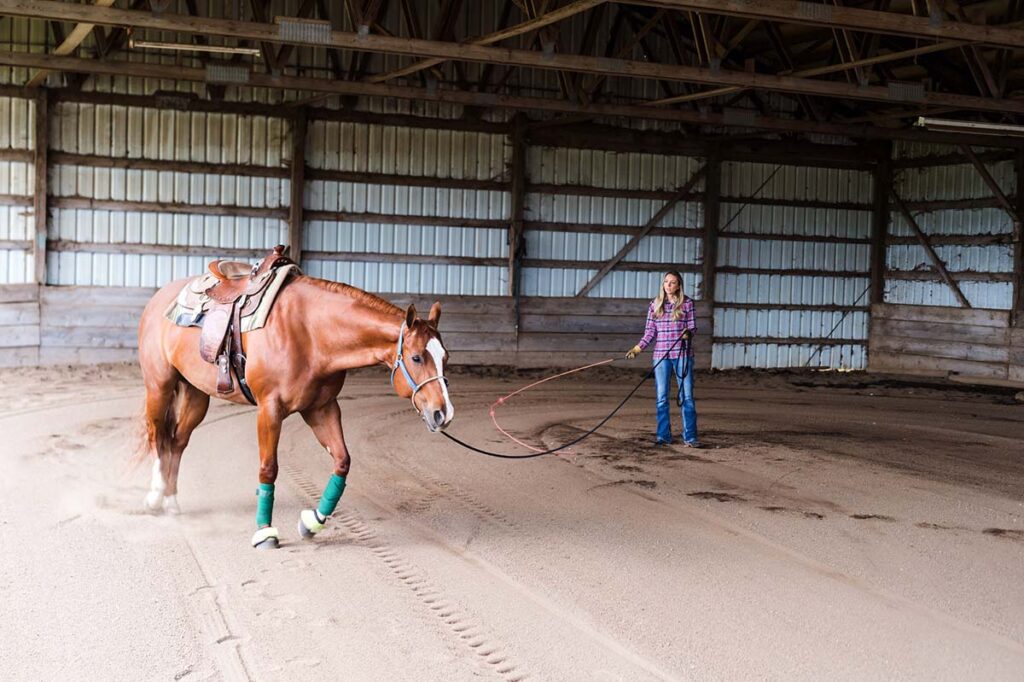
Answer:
(414, 152)
(759, 242)
(137, 133)
(17, 179)
(951, 182)
(560, 211)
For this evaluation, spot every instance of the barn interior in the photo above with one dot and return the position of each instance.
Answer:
(840, 185)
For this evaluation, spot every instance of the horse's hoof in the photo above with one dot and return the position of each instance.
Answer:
(310, 523)
(154, 502)
(269, 543)
(171, 505)
(265, 538)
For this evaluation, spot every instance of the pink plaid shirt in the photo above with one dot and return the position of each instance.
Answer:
(664, 330)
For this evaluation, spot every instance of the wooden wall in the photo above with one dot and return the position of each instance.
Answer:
(939, 341)
(88, 325)
(19, 325)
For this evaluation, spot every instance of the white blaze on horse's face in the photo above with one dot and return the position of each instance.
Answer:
(437, 353)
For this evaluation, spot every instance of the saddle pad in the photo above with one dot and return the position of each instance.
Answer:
(192, 302)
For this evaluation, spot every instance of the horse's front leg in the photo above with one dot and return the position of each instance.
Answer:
(268, 431)
(325, 421)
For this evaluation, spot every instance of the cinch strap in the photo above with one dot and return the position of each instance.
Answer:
(264, 504)
(332, 493)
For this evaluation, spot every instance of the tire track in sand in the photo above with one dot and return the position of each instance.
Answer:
(463, 627)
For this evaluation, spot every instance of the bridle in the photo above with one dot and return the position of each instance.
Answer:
(400, 365)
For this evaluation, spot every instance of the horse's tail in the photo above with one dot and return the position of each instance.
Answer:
(149, 441)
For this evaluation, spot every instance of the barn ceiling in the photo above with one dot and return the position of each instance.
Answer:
(762, 67)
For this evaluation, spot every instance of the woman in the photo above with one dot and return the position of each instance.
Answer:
(671, 323)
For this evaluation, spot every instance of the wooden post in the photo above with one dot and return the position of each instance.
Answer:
(712, 218)
(298, 184)
(1017, 313)
(40, 211)
(881, 182)
(516, 243)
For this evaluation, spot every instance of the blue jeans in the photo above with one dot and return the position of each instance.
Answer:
(662, 381)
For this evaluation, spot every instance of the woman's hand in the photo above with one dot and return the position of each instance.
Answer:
(633, 352)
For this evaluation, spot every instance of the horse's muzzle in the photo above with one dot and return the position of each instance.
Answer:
(436, 420)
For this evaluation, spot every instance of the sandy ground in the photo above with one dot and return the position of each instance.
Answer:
(838, 527)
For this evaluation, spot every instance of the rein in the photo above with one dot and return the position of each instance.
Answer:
(400, 365)
(591, 432)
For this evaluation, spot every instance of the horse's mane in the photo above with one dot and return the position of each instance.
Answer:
(367, 299)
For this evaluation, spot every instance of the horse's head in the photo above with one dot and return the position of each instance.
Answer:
(418, 371)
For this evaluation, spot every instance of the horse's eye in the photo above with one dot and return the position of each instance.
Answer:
(417, 359)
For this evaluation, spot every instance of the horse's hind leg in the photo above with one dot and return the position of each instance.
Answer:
(325, 421)
(191, 410)
(160, 420)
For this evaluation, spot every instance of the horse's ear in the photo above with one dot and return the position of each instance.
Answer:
(410, 316)
(435, 314)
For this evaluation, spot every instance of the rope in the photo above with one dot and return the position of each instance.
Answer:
(574, 441)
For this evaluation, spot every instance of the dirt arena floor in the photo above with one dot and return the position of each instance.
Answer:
(836, 527)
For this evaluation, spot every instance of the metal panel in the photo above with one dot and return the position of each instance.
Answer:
(610, 170)
(974, 221)
(791, 289)
(426, 240)
(414, 278)
(771, 181)
(782, 324)
(127, 132)
(961, 181)
(329, 195)
(616, 284)
(780, 254)
(763, 356)
(818, 222)
(407, 151)
(16, 123)
(993, 295)
(995, 258)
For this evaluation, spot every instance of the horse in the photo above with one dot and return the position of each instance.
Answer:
(316, 331)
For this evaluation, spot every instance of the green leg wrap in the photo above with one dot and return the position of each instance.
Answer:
(264, 504)
(332, 493)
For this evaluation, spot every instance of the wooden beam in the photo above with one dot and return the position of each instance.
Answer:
(298, 184)
(823, 70)
(334, 86)
(168, 207)
(932, 256)
(881, 178)
(498, 36)
(1017, 312)
(712, 218)
(869, 21)
(41, 189)
(951, 159)
(516, 240)
(959, 276)
(93, 161)
(259, 8)
(681, 193)
(480, 53)
(991, 182)
(68, 45)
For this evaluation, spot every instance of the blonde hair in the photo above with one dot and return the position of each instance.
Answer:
(659, 301)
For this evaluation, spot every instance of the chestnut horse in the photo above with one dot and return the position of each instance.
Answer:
(316, 331)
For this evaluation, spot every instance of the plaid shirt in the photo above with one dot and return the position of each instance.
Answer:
(664, 330)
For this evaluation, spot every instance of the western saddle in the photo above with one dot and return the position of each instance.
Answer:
(238, 291)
